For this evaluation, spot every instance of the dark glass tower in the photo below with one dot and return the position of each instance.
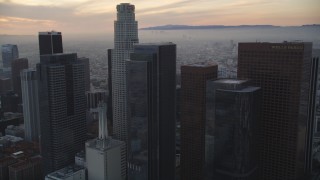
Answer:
(17, 65)
(50, 42)
(86, 63)
(283, 71)
(232, 117)
(9, 53)
(151, 107)
(194, 78)
(109, 99)
(62, 109)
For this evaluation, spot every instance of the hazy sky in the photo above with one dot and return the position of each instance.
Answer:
(97, 16)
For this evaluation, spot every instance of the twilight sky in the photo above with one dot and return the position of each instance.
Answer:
(97, 16)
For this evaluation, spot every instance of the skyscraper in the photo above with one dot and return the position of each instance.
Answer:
(283, 71)
(109, 100)
(86, 72)
(125, 35)
(50, 42)
(232, 116)
(30, 100)
(194, 78)
(63, 109)
(106, 157)
(5, 85)
(151, 105)
(9, 53)
(16, 66)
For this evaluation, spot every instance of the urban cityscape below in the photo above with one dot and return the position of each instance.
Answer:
(171, 102)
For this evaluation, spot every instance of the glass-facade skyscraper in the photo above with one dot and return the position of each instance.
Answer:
(62, 105)
(284, 73)
(30, 100)
(151, 84)
(50, 42)
(232, 117)
(17, 66)
(9, 53)
(194, 79)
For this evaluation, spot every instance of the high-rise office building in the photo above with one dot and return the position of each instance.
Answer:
(106, 157)
(232, 116)
(28, 169)
(5, 85)
(125, 35)
(50, 43)
(109, 99)
(30, 100)
(194, 78)
(63, 109)
(283, 71)
(86, 72)
(17, 65)
(151, 74)
(9, 53)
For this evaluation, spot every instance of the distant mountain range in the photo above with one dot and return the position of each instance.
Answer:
(186, 27)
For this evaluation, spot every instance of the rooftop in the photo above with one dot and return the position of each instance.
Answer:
(103, 145)
(65, 172)
(155, 44)
(230, 81)
(11, 138)
(202, 64)
(50, 33)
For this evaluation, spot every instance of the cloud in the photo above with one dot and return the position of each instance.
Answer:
(18, 25)
(76, 16)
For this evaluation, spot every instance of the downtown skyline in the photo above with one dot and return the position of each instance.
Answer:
(75, 16)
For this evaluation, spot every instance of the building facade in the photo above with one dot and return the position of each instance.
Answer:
(30, 100)
(71, 172)
(63, 109)
(5, 85)
(27, 169)
(232, 118)
(194, 78)
(106, 157)
(50, 43)
(9, 53)
(86, 63)
(17, 65)
(125, 35)
(151, 106)
(283, 71)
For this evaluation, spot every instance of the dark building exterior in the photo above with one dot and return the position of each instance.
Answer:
(283, 71)
(4, 166)
(109, 101)
(9, 53)
(193, 112)
(10, 102)
(28, 169)
(86, 63)
(151, 107)
(30, 101)
(17, 65)
(232, 116)
(5, 85)
(50, 42)
(63, 109)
